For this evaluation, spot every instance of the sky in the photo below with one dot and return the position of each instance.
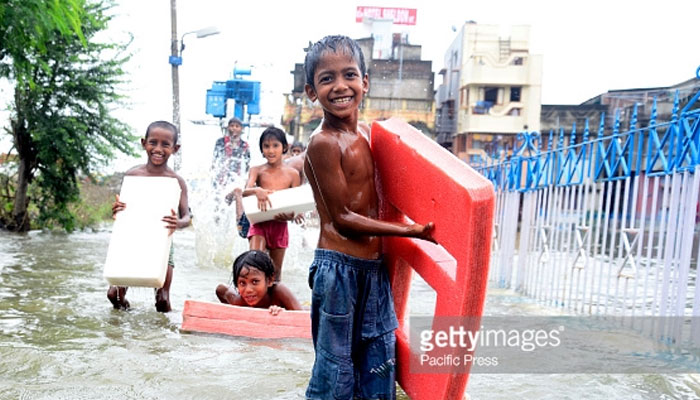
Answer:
(588, 48)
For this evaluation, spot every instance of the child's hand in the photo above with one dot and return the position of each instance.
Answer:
(236, 193)
(284, 216)
(274, 310)
(117, 206)
(425, 232)
(263, 201)
(299, 219)
(170, 222)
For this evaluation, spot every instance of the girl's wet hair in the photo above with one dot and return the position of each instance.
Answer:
(276, 133)
(337, 44)
(253, 259)
(163, 125)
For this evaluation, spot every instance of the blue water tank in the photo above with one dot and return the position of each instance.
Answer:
(245, 93)
(216, 100)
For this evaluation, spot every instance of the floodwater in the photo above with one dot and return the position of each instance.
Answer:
(61, 339)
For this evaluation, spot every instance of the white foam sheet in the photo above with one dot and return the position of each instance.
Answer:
(140, 245)
(297, 200)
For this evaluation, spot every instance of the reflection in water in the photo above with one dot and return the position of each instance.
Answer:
(61, 339)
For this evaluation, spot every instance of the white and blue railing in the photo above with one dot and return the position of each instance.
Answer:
(603, 222)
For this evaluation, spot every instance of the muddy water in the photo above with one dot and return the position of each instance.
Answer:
(60, 338)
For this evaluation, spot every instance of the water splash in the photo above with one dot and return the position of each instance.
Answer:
(214, 221)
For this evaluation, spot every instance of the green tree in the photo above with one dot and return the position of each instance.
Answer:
(26, 24)
(61, 124)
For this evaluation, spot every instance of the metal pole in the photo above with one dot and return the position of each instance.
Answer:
(174, 51)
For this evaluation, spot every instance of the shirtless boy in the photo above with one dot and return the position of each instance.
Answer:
(160, 142)
(264, 179)
(352, 310)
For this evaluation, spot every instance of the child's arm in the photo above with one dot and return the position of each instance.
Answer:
(225, 294)
(251, 184)
(172, 221)
(323, 157)
(252, 188)
(285, 298)
(294, 181)
(237, 196)
(117, 206)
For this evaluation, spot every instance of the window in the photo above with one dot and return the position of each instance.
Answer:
(515, 93)
(490, 98)
(491, 95)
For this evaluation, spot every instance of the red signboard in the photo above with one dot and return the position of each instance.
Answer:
(401, 16)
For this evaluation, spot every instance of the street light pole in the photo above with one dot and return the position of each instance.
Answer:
(175, 62)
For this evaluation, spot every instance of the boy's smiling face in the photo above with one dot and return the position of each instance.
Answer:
(159, 145)
(338, 84)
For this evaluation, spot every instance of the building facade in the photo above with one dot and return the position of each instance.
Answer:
(400, 85)
(621, 103)
(491, 90)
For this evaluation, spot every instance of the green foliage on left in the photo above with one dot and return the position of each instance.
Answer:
(61, 123)
(95, 204)
(26, 25)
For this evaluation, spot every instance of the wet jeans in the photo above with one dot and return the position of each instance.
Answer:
(352, 323)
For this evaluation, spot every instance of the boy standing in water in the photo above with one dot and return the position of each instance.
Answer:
(352, 310)
(160, 143)
(263, 180)
(231, 154)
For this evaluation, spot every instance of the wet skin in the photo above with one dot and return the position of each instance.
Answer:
(159, 146)
(339, 165)
(252, 286)
(257, 290)
(265, 179)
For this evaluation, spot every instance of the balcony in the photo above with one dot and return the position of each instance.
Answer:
(484, 69)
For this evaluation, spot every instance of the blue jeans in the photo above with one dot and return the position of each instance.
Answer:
(352, 324)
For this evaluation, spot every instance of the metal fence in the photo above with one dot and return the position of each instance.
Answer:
(603, 223)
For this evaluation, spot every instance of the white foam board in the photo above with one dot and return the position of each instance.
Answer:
(298, 200)
(140, 245)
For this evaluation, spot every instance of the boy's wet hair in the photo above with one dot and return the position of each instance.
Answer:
(253, 259)
(163, 125)
(276, 133)
(337, 44)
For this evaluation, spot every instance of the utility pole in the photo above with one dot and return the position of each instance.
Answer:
(175, 60)
(174, 55)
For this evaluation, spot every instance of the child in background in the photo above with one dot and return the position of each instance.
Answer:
(263, 180)
(160, 143)
(296, 160)
(352, 310)
(231, 154)
(295, 149)
(253, 280)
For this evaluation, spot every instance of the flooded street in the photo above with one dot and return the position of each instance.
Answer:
(61, 339)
